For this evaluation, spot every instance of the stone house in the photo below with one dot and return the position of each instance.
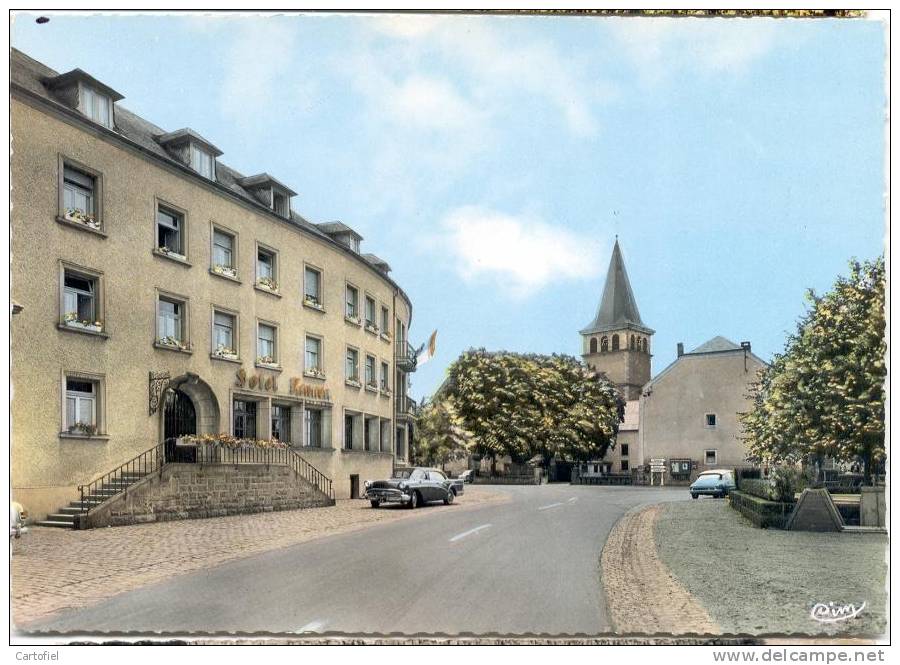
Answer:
(164, 293)
(687, 414)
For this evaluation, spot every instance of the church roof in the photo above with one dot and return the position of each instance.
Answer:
(717, 343)
(618, 308)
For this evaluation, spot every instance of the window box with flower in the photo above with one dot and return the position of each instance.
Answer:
(314, 373)
(372, 328)
(81, 217)
(372, 386)
(268, 362)
(225, 352)
(267, 283)
(71, 320)
(82, 429)
(171, 253)
(174, 343)
(312, 301)
(353, 383)
(225, 271)
(353, 319)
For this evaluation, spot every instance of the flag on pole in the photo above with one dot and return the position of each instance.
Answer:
(426, 353)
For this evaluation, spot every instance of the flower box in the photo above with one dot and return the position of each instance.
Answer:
(226, 271)
(352, 319)
(315, 373)
(310, 301)
(372, 328)
(225, 352)
(71, 320)
(173, 343)
(268, 284)
(172, 253)
(353, 382)
(81, 217)
(267, 361)
(372, 386)
(83, 428)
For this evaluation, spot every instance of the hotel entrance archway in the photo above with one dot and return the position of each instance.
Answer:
(179, 415)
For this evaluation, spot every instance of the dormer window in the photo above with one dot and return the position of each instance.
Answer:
(280, 204)
(96, 106)
(203, 162)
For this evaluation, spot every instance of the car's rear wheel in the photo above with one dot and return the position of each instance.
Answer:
(450, 496)
(375, 503)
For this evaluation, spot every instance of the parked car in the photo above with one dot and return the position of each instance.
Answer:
(17, 517)
(467, 476)
(413, 487)
(716, 482)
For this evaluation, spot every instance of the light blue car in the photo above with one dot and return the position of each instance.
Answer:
(717, 483)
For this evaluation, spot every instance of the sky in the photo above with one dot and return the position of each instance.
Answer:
(493, 160)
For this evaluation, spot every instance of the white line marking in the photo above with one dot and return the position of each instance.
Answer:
(573, 499)
(552, 505)
(312, 627)
(462, 535)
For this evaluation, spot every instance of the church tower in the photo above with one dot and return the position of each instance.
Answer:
(617, 343)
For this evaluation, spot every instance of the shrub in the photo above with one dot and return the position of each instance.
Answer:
(761, 512)
(785, 482)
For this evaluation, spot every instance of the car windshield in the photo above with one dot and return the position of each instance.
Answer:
(417, 474)
(402, 473)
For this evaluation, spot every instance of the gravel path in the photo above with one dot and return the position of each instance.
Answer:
(57, 569)
(766, 581)
(643, 598)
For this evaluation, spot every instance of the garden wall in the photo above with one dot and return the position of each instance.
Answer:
(762, 512)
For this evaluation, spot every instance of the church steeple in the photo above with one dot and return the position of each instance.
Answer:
(617, 342)
(618, 308)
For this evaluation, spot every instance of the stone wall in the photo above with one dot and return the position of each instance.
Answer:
(190, 491)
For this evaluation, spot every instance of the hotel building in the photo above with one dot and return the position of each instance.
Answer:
(159, 292)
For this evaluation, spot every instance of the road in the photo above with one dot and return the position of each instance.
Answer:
(529, 565)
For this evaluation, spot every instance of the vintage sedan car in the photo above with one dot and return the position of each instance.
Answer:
(413, 487)
(467, 476)
(716, 483)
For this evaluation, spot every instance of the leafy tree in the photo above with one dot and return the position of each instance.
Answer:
(824, 395)
(523, 405)
(440, 434)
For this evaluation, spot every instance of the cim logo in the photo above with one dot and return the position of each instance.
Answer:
(831, 613)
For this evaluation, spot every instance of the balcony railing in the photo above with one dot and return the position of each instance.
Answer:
(405, 356)
(406, 406)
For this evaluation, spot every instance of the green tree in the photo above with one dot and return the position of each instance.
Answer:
(440, 434)
(824, 395)
(523, 405)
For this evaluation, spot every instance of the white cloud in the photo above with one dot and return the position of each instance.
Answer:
(524, 254)
(431, 103)
(659, 46)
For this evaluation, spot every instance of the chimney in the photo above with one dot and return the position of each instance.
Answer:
(745, 346)
(680, 349)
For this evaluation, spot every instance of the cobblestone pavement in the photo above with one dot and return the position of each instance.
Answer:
(642, 595)
(766, 581)
(57, 569)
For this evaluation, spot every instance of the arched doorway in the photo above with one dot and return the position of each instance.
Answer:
(179, 415)
(189, 406)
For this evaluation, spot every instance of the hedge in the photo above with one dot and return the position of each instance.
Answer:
(762, 512)
(757, 487)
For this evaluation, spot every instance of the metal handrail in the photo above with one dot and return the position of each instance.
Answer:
(154, 459)
(147, 462)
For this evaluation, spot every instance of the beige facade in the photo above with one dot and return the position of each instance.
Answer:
(689, 412)
(131, 286)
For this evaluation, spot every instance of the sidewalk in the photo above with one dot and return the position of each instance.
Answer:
(57, 569)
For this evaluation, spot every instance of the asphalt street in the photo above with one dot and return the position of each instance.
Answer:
(529, 565)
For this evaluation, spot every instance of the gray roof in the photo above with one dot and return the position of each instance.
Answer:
(37, 79)
(264, 180)
(618, 308)
(56, 81)
(337, 228)
(378, 262)
(716, 344)
(188, 134)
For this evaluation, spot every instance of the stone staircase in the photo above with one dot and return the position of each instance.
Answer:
(65, 518)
